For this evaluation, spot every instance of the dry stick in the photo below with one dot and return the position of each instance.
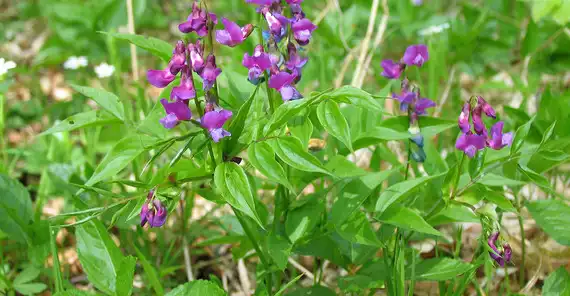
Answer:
(377, 40)
(347, 62)
(446, 92)
(341, 25)
(131, 28)
(185, 248)
(366, 41)
(243, 277)
(302, 268)
(324, 13)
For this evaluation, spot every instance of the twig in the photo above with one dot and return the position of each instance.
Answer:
(185, 248)
(366, 41)
(446, 92)
(131, 28)
(377, 40)
(341, 25)
(243, 277)
(324, 13)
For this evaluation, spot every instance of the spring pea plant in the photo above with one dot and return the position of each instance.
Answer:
(279, 165)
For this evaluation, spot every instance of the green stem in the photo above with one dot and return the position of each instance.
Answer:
(523, 245)
(457, 177)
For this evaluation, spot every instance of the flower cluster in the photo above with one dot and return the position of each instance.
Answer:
(284, 70)
(477, 138)
(415, 55)
(501, 256)
(153, 211)
(190, 58)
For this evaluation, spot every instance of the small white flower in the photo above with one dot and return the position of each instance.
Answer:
(104, 70)
(5, 66)
(433, 29)
(74, 63)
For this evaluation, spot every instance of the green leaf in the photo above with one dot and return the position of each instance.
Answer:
(477, 163)
(542, 8)
(357, 229)
(312, 291)
(232, 182)
(500, 200)
(303, 219)
(401, 190)
(197, 288)
(407, 218)
(359, 283)
(353, 194)
(553, 216)
(27, 275)
(119, 157)
(547, 134)
(334, 122)
(539, 180)
(262, 157)
(279, 248)
(99, 256)
(301, 128)
(289, 149)
(30, 288)
(80, 120)
(357, 97)
(150, 273)
(105, 99)
(557, 283)
(284, 113)
(153, 45)
(73, 293)
(15, 209)
(562, 14)
(520, 136)
(238, 124)
(440, 269)
(125, 275)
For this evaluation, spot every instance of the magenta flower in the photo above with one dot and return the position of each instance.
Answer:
(262, 2)
(259, 62)
(499, 140)
(185, 91)
(487, 109)
(420, 104)
(471, 143)
(162, 78)
(416, 55)
(464, 118)
(282, 82)
(196, 56)
(277, 23)
(176, 111)
(233, 34)
(302, 30)
(210, 73)
(294, 1)
(392, 70)
(295, 62)
(197, 21)
(297, 11)
(500, 256)
(214, 120)
(153, 212)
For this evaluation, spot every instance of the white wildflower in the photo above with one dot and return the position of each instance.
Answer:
(5, 66)
(104, 70)
(433, 29)
(74, 63)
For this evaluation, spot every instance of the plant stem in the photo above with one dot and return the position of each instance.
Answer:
(457, 177)
(523, 246)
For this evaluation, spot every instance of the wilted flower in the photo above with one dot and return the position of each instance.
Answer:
(392, 70)
(5, 66)
(176, 111)
(283, 82)
(185, 91)
(197, 21)
(153, 211)
(259, 62)
(233, 34)
(210, 73)
(500, 256)
(74, 63)
(416, 55)
(302, 30)
(104, 70)
(214, 121)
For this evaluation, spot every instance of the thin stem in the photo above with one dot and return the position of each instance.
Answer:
(131, 28)
(457, 177)
(523, 245)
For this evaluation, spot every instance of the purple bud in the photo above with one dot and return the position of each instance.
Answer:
(499, 140)
(233, 34)
(464, 118)
(392, 70)
(277, 24)
(214, 120)
(175, 111)
(154, 213)
(487, 109)
(295, 63)
(501, 257)
(416, 55)
(196, 56)
(178, 59)
(185, 91)
(478, 124)
(210, 73)
(197, 21)
(470, 143)
(302, 30)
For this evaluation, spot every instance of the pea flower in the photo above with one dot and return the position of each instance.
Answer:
(5, 66)
(210, 73)
(391, 69)
(162, 78)
(500, 256)
(196, 56)
(464, 118)
(282, 82)
(233, 33)
(214, 121)
(197, 21)
(256, 64)
(176, 111)
(303, 30)
(153, 211)
(413, 97)
(295, 62)
(416, 55)
(499, 140)
(277, 23)
(470, 143)
(185, 91)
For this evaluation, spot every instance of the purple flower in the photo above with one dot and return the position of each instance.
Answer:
(392, 70)
(262, 2)
(214, 120)
(470, 143)
(153, 212)
(422, 104)
(176, 111)
(297, 11)
(277, 23)
(416, 55)
(162, 78)
(282, 82)
(499, 140)
(259, 62)
(294, 1)
(487, 109)
(295, 62)
(196, 56)
(503, 256)
(197, 21)
(178, 59)
(464, 118)
(210, 73)
(185, 91)
(478, 124)
(302, 30)
(233, 34)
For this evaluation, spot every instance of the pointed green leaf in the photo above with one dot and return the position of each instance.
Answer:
(553, 216)
(557, 283)
(440, 269)
(289, 149)
(262, 157)
(105, 99)
(520, 136)
(197, 288)
(284, 113)
(406, 218)
(157, 47)
(334, 122)
(15, 209)
(400, 190)
(125, 276)
(80, 120)
(150, 273)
